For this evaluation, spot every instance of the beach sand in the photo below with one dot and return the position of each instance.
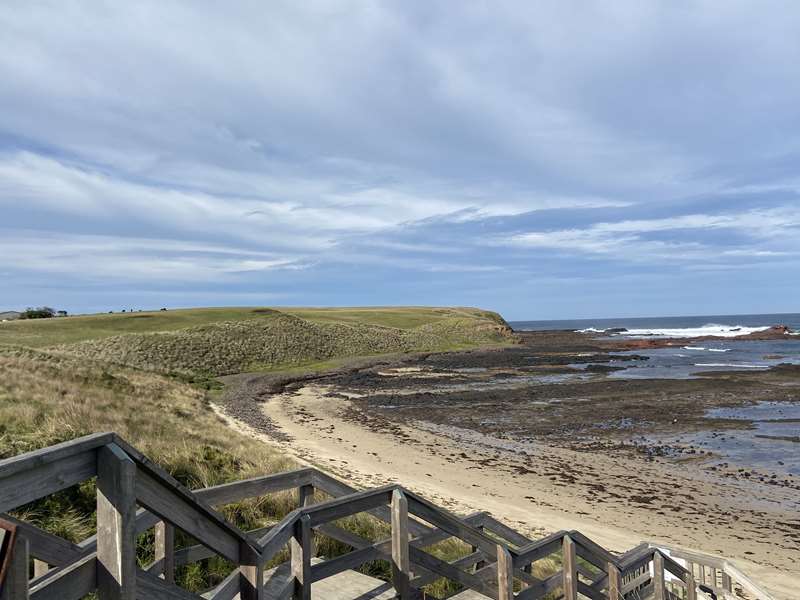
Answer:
(616, 500)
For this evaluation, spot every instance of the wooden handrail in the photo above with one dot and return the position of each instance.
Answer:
(501, 557)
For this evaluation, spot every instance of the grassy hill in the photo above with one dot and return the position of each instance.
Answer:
(67, 377)
(212, 342)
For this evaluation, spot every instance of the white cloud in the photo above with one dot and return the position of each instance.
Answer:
(135, 259)
(627, 239)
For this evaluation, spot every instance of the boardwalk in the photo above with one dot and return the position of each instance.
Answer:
(135, 495)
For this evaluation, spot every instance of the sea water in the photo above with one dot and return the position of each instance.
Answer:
(686, 361)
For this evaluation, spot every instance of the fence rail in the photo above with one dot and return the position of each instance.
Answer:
(134, 495)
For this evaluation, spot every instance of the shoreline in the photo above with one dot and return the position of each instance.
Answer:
(517, 431)
(465, 475)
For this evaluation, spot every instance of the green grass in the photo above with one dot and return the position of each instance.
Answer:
(40, 333)
(148, 376)
(401, 317)
(197, 345)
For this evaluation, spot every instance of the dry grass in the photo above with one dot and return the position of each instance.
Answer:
(280, 341)
(136, 385)
(46, 399)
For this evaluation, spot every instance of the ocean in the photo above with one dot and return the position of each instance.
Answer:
(773, 438)
(683, 362)
(669, 326)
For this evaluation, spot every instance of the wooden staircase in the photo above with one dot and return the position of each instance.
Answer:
(135, 495)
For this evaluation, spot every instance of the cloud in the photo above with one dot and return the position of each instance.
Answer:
(633, 239)
(115, 259)
(384, 142)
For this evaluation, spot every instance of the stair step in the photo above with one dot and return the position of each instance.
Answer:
(349, 585)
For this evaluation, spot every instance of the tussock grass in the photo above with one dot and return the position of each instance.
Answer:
(138, 374)
(47, 398)
(280, 340)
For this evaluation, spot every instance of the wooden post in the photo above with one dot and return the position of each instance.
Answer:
(40, 568)
(481, 563)
(251, 574)
(401, 566)
(15, 586)
(614, 582)
(505, 574)
(570, 567)
(726, 582)
(691, 588)
(659, 587)
(116, 524)
(301, 559)
(305, 495)
(165, 549)
(711, 577)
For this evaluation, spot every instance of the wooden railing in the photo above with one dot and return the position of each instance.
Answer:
(135, 495)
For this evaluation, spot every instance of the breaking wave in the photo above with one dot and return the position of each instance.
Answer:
(712, 329)
(733, 365)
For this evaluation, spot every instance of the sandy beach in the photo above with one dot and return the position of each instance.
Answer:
(539, 489)
(541, 436)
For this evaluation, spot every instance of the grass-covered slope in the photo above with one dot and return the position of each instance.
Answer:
(109, 373)
(269, 339)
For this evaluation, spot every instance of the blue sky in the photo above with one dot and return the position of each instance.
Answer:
(548, 160)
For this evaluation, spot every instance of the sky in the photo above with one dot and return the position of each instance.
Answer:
(554, 159)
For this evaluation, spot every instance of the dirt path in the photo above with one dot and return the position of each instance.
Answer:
(538, 489)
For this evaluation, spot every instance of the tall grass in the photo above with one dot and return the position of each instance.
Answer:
(144, 386)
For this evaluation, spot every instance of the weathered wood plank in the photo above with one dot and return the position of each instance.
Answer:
(589, 592)
(301, 558)
(31, 461)
(659, 587)
(305, 495)
(401, 570)
(23, 486)
(336, 488)
(691, 586)
(15, 586)
(165, 550)
(116, 524)
(505, 574)
(450, 523)
(536, 591)
(251, 575)
(198, 552)
(177, 494)
(445, 569)
(503, 531)
(228, 589)
(46, 547)
(348, 561)
(570, 574)
(636, 582)
(152, 587)
(277, 537)
(346, 506)
(590, 551)
(158, 497)
(252, 488)
(726, 582)
(72, 582)
(539, 549)
(614, 582)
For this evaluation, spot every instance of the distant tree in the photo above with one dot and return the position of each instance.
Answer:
(42, 312)
(62, 313)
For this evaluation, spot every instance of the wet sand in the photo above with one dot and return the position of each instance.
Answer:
(491, 431)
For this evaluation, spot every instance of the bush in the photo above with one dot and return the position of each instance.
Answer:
(43, 312)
